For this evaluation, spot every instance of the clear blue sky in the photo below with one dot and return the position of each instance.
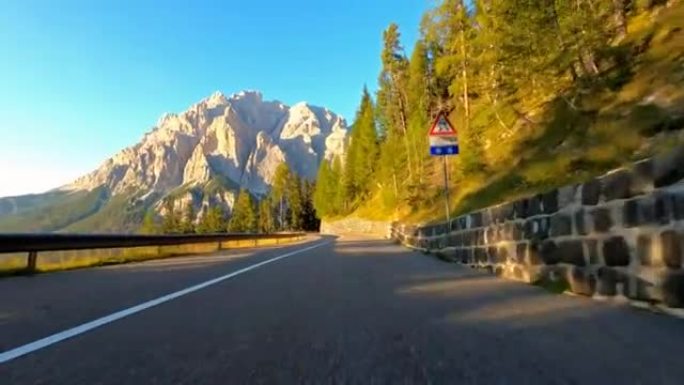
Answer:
(80, 80)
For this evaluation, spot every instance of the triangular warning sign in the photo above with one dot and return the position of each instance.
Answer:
(442, 127)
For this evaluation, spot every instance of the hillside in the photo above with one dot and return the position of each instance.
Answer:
(200, 158)
(541, 97)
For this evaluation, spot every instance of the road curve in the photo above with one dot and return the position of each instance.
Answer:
(352, 311)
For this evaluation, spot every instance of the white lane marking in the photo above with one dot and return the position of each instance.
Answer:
(86, 327)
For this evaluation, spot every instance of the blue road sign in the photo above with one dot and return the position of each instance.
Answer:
(444, 150)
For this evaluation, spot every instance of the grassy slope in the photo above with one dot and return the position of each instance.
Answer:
(637, 111)
(55, 212)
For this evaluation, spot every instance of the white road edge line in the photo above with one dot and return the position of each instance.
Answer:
(88, 326)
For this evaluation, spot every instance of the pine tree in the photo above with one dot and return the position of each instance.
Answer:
(149, 224)
(267, 223)
(392, 99)
(212, 221)
(325, 191)
(364, 138)
(310, 221)
(171, 223)
(244, 217)
(419, 109)
(295, 202)
(187, 225)
(339, 195)
(281, 178)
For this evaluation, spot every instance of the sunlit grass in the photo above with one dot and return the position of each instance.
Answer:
(15, 263)
(569, 135)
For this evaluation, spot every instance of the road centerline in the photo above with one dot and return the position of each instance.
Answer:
(102, 321)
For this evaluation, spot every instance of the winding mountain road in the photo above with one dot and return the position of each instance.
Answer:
(329, 311)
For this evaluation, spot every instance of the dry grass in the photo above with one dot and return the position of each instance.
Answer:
(15, 263)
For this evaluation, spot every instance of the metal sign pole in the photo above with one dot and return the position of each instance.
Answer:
(446, 191)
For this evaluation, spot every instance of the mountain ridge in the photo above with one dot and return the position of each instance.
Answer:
(201, 156)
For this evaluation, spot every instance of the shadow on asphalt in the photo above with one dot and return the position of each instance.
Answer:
(577, 331)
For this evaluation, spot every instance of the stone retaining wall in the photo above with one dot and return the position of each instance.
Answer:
(618, 234)
(356, 226)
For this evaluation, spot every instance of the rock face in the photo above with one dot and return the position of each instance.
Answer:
(200, 157)
(241, 138)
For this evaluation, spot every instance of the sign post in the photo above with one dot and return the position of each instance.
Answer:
(444, 142)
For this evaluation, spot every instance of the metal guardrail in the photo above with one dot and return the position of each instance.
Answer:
(34, 243)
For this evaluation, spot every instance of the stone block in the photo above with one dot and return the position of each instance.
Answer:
(668, 169)
(534, 206)
(630, 213)
(509, 229)
(520, 208)
(678, 206)
(640, 212)
(503, 254)
(468, 255)
(490, 235)
(645, 250)
(550, 202)
(643, 290)
(592, 251)
(602, 219)
(581, 282)
(480, 237)
(591, 192)
(571, 252)
(663, 208)
(486, 217)
(549, 252)
(580, 222)
(566, 195)
(607, 281)
(518, 273)
(464, 258)
(642, 177)
(476, 220)
(462, 222)
(673, 289)
(534, 254)
(671, 248)
(617, 185)
(616, 252)
(646, 211)
(561, 224)
(528, 229)
(492, 252)
(544, 227)
(453, 225)
(481, 255)
(521, 252)
(517, 231)
(508, 211)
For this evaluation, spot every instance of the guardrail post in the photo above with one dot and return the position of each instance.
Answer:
(32, 262)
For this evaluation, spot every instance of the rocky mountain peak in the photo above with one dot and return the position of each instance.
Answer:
(239, 139)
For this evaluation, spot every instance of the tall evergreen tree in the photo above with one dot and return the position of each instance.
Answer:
(339, 195)
(149, 224)
(295, 202)
(212, 221)
(187, 225)
(267, 220)
(280, 182)
(244, 218)
(392, 99)
(171, 222)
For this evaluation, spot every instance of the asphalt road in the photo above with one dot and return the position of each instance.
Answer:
(353, 311)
